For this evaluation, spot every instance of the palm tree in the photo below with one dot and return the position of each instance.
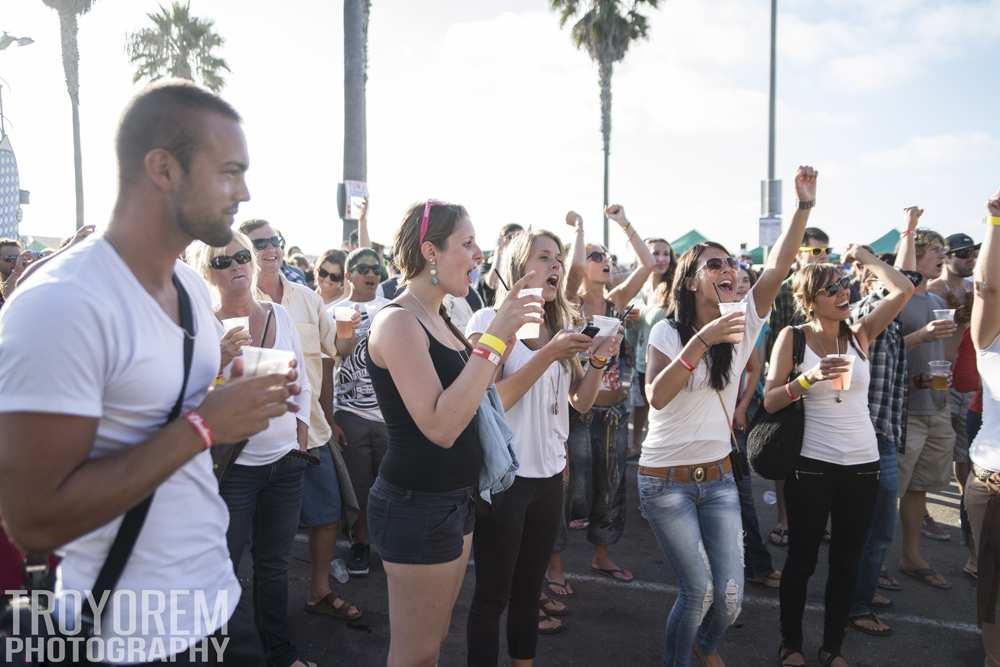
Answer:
(355, 77)
(68, 11)
(606, 33)
(178, 45)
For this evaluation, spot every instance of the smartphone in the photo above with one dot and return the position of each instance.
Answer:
(590, 331)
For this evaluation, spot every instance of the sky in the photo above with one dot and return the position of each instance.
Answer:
(490, 105)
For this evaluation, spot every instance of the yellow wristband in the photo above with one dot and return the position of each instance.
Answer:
(493, 343)
(804, 383)
(993, 220)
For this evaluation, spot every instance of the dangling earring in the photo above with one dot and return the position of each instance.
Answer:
(434, 274)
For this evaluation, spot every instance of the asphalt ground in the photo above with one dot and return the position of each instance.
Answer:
(622, 624)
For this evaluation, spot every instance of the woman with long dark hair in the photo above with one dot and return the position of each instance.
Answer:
(837, 474)
(687, 491)
(537, 382)
(430, 382)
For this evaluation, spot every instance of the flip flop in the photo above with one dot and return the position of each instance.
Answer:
(552, 607)
(328, 607)
(567, 590)
(778, 536)
(879, 604)
(887, 582)
(925, 574)
(853, 623)
(552, 630)
(616, 573)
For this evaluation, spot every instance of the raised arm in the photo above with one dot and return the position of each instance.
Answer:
(779, 260)
(626, 291)
(363, 238)
(906, 253)
(578, 259)
(986, 308)
(899, 287)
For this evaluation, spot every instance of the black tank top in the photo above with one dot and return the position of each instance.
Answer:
(412, 461)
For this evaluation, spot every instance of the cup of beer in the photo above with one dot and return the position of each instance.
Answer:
(345, 321)
(944, 314)
(940, 375)
(843, 382)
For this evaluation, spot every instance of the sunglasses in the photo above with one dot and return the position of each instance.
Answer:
(597, 256)
(835, 288)
(816, 252)
(365, 269)
(719, 263)
(225, 261)
(335, 277)
(964, 253)
(8, 258)
(276, 241)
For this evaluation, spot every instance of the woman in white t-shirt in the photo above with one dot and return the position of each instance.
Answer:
(687, 491)
(984, 480)
(262, 487)
(538, 380)
(836, 476)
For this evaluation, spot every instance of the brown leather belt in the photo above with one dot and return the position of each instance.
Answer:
(703, 472)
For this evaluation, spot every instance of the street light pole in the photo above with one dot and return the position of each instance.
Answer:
(769, 227)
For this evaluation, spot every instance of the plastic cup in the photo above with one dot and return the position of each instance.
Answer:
(231, 323)
(945, 314)
(733, 307)
(531, 329)
(265, 360)
(843, 382)
(940, 375)
(344, 315)
(607, 325)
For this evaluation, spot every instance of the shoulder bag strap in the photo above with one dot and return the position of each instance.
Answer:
(267, 325)
(131, 525)
(798, 347)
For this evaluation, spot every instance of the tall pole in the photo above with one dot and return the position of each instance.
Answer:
(769, 227)
(355, 76)
(774, 58)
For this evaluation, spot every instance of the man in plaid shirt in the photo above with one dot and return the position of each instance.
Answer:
(888, 393)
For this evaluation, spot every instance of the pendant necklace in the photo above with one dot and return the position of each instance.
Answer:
(557, 389)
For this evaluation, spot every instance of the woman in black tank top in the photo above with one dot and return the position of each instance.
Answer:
(429, 383)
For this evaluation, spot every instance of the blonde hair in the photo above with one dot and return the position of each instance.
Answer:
(202, 254)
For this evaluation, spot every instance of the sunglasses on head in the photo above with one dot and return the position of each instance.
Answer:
(335, 277)
(719, 263)
(225, 261)
(365, 269)
(276, 241)
(964, 253)
(597, 256)
(836, 287)
(816, 252)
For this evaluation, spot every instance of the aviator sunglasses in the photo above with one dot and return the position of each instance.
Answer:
(365, 269)
(964, 253)
(718, 263)
(835, 287)
(225, 261)
(276, 241)
(335, 277)
(597, 256)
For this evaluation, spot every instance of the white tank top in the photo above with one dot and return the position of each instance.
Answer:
(840, 433)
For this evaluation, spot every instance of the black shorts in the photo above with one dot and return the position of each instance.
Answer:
(418, 528)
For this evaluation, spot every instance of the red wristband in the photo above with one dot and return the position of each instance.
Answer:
(200, 426)
(487, 353)
(685, 364)
(908, 232)
(789, 394)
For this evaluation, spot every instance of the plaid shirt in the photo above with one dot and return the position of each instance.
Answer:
(784, 313)
(888, 391)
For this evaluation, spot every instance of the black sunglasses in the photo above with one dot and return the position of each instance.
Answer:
(719, 263)
(365, 269)
(835, 287)
(335, 277)
(964, 253)
(225, 261)
(597, 256)
(276, 241)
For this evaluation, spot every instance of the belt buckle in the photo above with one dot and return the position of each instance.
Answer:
(699, 474)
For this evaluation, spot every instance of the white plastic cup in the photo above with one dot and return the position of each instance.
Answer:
(733, 307)
(607, 325)
(265, 360)
(843, 382)
(945, 314)
(531, 329)
(231, 323)
(344, 315)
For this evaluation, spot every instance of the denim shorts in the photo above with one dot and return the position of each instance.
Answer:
(321, 502)
(416, 528)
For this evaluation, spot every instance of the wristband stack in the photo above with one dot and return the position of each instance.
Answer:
(490, 348)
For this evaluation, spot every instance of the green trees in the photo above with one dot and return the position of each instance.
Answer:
(605, 30)
(178, 45)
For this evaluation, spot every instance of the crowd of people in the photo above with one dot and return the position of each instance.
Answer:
(433, 407)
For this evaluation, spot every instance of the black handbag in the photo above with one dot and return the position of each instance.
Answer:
(33, 614)
(775, 440)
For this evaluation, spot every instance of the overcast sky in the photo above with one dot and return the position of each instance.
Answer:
(490, 105)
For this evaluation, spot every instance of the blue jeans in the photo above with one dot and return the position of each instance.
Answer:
(698, 528)
(882, 530)
(264, 504)
(598, 446)
(755, 553)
